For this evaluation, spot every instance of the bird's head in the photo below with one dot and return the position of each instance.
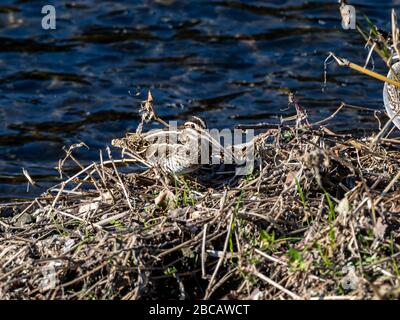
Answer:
(196, 123)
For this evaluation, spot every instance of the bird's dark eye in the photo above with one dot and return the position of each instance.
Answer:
(192, 125)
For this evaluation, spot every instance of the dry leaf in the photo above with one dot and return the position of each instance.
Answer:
(343, 208)
(379, 229)
(166, 199)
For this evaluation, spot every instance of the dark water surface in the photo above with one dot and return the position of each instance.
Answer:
(228, 61)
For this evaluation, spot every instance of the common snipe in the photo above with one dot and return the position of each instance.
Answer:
(175, 150)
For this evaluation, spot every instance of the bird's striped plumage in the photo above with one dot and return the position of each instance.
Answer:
(176, 150)
(391, 95)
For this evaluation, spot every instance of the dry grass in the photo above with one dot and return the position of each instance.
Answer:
(318, 218)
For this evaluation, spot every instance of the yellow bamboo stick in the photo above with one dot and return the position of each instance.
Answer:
(344, 62)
